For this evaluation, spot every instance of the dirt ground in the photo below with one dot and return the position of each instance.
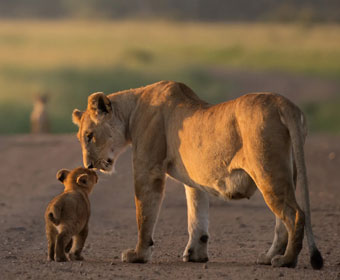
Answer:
(239, 230)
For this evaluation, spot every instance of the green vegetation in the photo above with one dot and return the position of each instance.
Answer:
(324, 116)
(70, 60)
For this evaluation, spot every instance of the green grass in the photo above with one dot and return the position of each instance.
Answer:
(70, 60)
(324, 116)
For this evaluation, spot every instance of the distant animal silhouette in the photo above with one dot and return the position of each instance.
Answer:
(39, 115)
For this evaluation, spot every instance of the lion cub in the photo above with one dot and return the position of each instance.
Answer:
(67, 215)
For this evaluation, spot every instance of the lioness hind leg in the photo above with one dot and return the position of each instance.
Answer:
(281, 200)
(278, 246)
(198, 222)
(149, 193)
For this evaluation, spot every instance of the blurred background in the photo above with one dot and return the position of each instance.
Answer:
(56, 53)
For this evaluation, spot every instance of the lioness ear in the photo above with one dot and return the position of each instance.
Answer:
(99, 106)
(82, 180)
(76, 117)
(62, 174)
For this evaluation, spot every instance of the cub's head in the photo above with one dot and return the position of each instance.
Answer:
(101, 133)
(78, 178)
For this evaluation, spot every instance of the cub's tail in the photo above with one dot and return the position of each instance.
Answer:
(54, 215)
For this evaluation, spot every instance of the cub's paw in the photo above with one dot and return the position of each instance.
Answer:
(61, 259)
(50, 259)
(283, 261)
(263, 259)
(131, 256)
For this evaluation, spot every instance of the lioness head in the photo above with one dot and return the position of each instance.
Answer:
(101, 133)
(78, 178)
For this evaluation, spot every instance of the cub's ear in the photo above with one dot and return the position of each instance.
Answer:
(99, 106)
(82, 180)
(76, 117)
(62, 174)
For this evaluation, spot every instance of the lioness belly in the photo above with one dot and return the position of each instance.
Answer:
(237, 185)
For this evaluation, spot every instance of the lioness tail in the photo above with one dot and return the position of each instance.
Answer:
(295, 121)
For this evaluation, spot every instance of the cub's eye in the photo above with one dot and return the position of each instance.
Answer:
(89, 137)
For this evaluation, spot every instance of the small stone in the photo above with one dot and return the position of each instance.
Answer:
(113, 263)
(205, 266)
(281, 274)
(116, 257)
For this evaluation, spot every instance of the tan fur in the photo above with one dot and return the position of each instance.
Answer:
(228, 150)
(39, 116)
(67, 215)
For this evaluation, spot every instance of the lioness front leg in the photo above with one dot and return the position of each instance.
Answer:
(198, 222)
(149, 191)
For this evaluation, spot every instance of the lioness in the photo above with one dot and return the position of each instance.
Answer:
(228, 150)
(67, 215)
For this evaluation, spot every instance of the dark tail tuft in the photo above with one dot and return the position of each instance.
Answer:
(52, 219)
(316, 259)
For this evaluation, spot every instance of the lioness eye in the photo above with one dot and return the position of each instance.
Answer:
(89, 137)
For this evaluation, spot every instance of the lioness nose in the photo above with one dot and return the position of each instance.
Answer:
(90, 166)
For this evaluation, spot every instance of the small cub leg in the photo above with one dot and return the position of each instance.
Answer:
(62, 240)
(78, 245)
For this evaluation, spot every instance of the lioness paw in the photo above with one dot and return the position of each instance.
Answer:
(191, 256)
(131, 256)
(283, 261)
(263, 259)
(75, 257)
(61, 259)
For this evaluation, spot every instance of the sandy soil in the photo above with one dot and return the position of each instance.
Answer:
(239, 230)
